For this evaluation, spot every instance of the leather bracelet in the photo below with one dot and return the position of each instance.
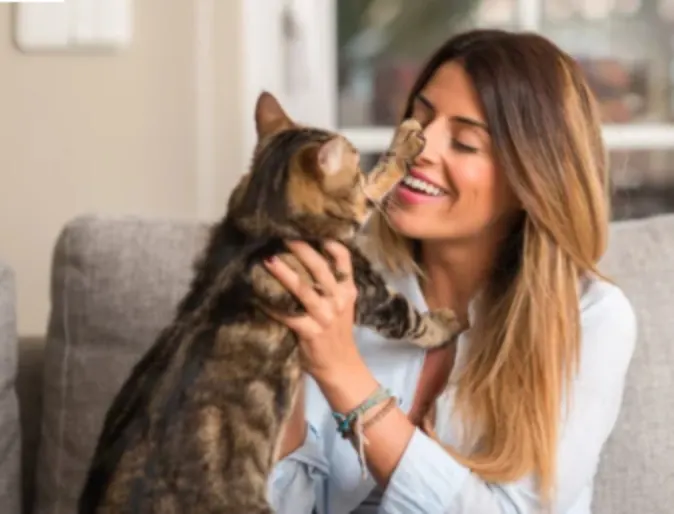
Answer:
(391, 402)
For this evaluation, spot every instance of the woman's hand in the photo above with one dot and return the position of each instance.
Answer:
(325, 333)
(331, 356)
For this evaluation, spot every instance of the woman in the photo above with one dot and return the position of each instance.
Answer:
(510, 238)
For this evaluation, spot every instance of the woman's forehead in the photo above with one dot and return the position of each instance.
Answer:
(450, 92)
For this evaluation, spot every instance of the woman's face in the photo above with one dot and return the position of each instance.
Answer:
(454, 190)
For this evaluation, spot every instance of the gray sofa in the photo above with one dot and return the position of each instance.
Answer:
(10, 429)
(116, 281)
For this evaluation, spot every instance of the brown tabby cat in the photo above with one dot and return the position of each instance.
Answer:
(195, 427)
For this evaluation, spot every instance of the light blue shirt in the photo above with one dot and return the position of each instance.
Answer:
(324, 474)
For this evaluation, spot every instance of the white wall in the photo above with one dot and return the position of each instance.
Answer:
(154, 131)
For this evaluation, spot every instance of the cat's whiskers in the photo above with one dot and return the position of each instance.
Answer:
(392, 202)
(374, 204)
(382, 208)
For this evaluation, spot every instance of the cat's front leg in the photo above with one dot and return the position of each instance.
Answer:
(393, 315)
(397, 318)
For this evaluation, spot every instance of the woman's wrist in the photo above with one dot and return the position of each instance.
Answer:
(345, 389)
(386, 427)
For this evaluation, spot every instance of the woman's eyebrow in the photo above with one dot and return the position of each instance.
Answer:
(427, 103)
(470, 121)
(459, 119)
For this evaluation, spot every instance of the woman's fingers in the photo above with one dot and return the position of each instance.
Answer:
(304, 325)
(342, 260)
(302, 290)
(335, 291)
(344, 273)
(317, 266)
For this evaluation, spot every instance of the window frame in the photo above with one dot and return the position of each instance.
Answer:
(263, 61)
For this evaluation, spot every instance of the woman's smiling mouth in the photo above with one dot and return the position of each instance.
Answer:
(416, 188)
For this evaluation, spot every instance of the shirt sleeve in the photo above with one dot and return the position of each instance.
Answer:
(296, 483)
(428, 480)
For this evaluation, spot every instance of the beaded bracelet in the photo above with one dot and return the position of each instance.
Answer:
(345, 421)
(352, 426)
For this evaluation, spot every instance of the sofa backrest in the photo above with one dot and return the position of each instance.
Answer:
(115, 283)
(637, 469)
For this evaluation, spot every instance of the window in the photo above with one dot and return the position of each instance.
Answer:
(370, 50)
(381, 45)
(625, 48)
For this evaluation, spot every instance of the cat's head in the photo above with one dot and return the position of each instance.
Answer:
(303, 181)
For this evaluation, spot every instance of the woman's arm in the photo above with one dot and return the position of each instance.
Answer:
(421, 478)
(297, 481)
(295, 431)
(388, 437)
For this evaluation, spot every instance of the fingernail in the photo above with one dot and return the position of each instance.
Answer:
(270, 260)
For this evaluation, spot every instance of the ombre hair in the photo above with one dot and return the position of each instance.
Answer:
(525, 341)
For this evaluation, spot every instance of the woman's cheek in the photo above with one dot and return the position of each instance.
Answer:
(469, 177)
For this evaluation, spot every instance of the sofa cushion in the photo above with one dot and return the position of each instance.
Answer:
(10, 433)
(637, 469)
(115, 283)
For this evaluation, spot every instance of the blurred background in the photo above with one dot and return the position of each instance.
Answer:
(624, 46)
(155, 118)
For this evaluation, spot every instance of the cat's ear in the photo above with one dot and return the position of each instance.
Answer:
(332, 156)
(269, 115)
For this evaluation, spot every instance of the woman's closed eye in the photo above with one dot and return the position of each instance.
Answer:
(467, 138)
(463, 147)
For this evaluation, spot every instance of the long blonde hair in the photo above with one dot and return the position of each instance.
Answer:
(525, 343)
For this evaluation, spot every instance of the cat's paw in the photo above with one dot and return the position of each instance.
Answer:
(409, 140)
(448, 320)
(442, 328)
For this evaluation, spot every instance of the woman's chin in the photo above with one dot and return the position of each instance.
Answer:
(403, 222)
(413, 226)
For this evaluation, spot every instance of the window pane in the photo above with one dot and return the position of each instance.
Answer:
(625, 48)
(642, 181)
(383, 43)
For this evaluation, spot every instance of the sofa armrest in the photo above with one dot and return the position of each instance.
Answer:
(10, 432)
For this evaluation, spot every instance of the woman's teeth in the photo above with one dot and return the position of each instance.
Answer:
(421, 186)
